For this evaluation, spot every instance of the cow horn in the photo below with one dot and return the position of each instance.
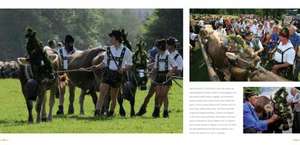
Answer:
(268, 108)
(22, 60)
(231, 56)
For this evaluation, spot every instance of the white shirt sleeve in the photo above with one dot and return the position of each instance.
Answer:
(179, 62)
(155, 61)
(171, 63)
(290, 98)
(260, 45)
(296, 98)
(105, 58)
(127, 58)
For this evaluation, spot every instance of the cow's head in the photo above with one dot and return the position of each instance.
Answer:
(33, 45)
(264, 107)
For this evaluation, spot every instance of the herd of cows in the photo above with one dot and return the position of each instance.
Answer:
(80, 74)
(217, 57)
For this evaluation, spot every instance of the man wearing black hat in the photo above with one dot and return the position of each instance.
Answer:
(117, 61)
(254, 43)
(164, 67)
(68, 50)
(171, 47)
(65, 53)
(284, 55)
(252, 124)
(178, 68)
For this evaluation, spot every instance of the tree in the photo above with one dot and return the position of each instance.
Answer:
(89, 27)
(163, 24)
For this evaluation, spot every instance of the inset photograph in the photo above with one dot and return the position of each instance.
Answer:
(271, 110)
(91, 71)
(244, 44)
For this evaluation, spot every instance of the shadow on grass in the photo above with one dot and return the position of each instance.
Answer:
(8, 123)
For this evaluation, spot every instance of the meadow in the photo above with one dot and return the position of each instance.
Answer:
(13, 115)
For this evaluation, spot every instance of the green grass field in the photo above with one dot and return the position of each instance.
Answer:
(13, 117)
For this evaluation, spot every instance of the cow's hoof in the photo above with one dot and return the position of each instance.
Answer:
(81, 113)
(60, 110)
(122, 112)
(30, 121)
(97, 113)
(49, 118)
(71, 109)
(155, 113)
(44, 119)
(166, 114)
(142, 111)
(110, 114)
(132, 114)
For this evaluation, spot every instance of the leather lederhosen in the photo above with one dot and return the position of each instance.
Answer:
(287, 72)
(161, 76)
(113, 77)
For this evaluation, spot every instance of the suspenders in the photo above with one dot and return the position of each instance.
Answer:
(118, 60)
(282, 52)
(175, 57)
(166, 61)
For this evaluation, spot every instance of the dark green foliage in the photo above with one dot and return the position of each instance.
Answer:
(281, 105)
(163, 24)
(274, 13)
(90, 27)
(139, 57)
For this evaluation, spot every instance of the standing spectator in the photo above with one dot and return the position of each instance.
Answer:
(253, 27)
(294, 100)
(295, 40)
(284, 56)
(221, 32)
(274, 37)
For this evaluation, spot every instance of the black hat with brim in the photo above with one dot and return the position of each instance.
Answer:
(171, 41)
(249, 92)
(116, 33)
(69, 38)
(161, 44)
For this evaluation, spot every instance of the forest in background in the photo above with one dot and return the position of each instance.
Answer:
(272, 13)
(90, 27)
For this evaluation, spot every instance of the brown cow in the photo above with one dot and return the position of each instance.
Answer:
(233, 63)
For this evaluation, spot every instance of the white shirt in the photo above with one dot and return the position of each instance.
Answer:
(253, 29)
(260, 33)
(116, 52)
(259, 44)
(295, 99)
(178, 60)
(65, 56)
(222, 34)
(288, 56)
(193, 36)
(161, 65)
